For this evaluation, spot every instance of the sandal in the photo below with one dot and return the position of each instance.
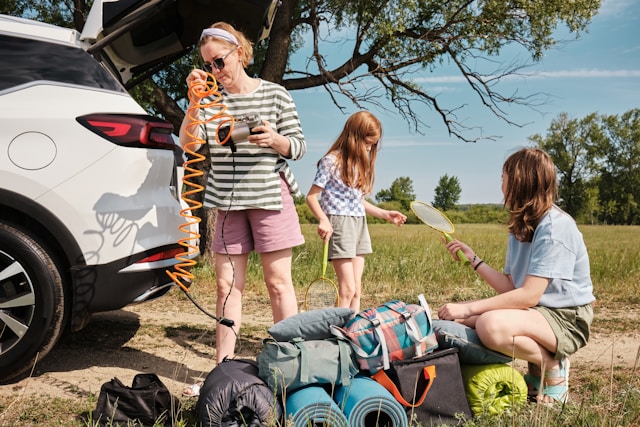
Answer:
(558, 392)
(193, 390)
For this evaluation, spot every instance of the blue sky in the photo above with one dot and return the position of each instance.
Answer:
(599, 72)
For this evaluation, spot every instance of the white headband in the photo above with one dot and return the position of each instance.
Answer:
(221, 34)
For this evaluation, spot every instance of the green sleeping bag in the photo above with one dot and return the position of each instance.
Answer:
(492, 389)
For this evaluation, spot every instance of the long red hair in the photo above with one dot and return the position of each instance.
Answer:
(350, 148)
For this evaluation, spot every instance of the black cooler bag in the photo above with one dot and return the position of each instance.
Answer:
(430, 388)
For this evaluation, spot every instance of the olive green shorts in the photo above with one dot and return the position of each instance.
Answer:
(571, 326)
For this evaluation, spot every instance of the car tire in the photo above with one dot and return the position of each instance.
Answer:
(32, 303)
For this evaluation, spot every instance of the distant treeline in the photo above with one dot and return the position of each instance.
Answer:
(463, 214)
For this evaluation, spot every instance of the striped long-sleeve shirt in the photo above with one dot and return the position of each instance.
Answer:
(250, 177)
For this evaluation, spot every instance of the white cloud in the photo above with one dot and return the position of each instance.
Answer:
(590, 73)
(615, 7)
(580, 73)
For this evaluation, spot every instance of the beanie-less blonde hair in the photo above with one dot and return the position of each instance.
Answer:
(246, 47)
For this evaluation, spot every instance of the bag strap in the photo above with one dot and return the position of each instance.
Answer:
(345, 356)
(427, 310)
(287, 351)
(382, 345)
(410, 324)
(382, 378)
(415, 334)
(304, 359)
(340, 333)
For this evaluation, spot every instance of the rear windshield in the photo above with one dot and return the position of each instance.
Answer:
(26, 60)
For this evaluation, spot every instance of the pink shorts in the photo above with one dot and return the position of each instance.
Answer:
(258, 229)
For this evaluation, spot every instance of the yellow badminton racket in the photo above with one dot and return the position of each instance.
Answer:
(322, 292)
(438, 221)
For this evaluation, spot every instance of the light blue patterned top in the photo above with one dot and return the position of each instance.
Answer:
(337, 198)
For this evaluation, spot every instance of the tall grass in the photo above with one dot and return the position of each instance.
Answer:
(411, 259)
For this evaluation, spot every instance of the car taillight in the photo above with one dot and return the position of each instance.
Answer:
(171, 253)
(131, 130)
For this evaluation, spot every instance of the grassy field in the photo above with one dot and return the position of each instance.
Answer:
(411, 260)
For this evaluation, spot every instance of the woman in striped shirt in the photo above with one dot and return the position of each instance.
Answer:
(250, 183)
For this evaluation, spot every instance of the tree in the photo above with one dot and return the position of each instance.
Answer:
(619, 183)
(571, 143)
(597, 158)
(386, 42)
(401, 191)
(447, 193)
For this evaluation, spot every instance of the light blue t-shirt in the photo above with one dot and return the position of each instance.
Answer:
(557, 252)
(337, 198)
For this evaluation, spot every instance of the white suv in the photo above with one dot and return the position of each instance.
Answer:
(89, 190)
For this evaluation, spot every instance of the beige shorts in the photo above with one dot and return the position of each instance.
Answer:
(350, 237)
(571, 326)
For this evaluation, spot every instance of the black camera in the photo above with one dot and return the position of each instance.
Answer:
(242, 128)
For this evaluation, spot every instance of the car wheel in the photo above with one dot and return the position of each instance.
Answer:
(31, 302)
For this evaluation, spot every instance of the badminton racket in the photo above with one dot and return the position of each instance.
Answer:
(438, 221)
(322, 292)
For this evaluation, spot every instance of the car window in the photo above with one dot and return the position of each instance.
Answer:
(26, 60)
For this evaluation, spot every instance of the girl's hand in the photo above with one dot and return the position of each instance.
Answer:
(452, 311)
(397, 218)
(456, 245)
(325, 230)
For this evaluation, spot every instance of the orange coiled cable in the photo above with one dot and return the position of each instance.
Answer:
(197, 92)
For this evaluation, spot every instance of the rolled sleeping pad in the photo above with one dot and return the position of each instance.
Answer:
(313, 406)
(493, 388)
(367, 403)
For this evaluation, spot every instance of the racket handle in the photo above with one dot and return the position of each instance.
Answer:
(460, 254)
(325, 257)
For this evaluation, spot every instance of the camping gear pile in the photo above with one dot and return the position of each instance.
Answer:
(386, 365)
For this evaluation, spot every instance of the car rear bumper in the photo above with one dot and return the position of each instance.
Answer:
(111, 286)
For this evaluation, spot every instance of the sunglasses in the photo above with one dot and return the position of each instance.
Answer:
(218, 63)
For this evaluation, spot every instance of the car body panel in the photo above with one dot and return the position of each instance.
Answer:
(26, 27)
(100, 206)
(131, 191)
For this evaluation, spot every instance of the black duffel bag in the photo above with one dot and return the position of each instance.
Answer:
(147, 401)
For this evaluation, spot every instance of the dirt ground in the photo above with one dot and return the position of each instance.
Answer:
(171, 338)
